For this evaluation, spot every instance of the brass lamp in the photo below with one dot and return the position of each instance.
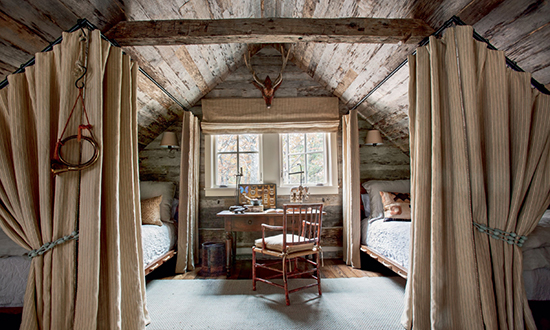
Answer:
(169, 141)
(374, 138)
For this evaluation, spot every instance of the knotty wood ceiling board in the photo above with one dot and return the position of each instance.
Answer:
(520, 28)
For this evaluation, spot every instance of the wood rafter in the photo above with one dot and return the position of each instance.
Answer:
(270, 30)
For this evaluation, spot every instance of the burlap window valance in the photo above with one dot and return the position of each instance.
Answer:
(286, 115)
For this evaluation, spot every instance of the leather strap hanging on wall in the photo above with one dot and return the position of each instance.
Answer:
(306, 114)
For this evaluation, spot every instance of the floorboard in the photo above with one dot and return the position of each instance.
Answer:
(242, 269)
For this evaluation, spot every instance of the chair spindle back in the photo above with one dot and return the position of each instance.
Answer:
(302, 222)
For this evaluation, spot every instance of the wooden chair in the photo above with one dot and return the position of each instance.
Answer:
(300, 237)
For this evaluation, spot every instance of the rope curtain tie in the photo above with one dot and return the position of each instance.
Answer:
(510, 238)
(48, 246)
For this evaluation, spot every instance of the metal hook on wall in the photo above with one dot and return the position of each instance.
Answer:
(80, 78)
(82, 63)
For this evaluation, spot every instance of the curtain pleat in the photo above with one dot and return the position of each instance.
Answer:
(188, 230)
(351, 190)
(99, 282)
(480, 152)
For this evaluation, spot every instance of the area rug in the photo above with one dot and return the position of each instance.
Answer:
(346, 303)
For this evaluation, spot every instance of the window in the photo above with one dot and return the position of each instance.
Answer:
(304, 152)
(237, 154)
(271, 158)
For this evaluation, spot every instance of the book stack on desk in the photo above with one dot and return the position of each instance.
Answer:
(254, 208)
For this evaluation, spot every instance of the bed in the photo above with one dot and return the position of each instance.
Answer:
(389, 241)
(158, 243)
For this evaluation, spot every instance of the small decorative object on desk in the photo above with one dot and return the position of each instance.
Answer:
(299, 194)
(254, 208)
(255, 204)
(237, 209)
(265, 194)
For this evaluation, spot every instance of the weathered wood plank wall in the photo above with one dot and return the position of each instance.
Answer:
(380, 162)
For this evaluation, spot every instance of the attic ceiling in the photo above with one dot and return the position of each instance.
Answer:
(520, 28)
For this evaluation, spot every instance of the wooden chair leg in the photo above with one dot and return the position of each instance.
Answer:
(318, 274)
(253, 270)
(285, 282)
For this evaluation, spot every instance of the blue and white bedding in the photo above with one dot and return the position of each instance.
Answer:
(157, 240)
(536, 261)
(14, 271)
(390, 239)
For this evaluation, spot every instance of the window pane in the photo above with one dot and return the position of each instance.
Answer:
(284, 146)
(226, 143)
(227, 168)
(294, 166)
(315, 142)
(249, 142)
(315, 168)
(251, 168)
(296, 143)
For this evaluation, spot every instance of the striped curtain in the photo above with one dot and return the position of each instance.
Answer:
(480, 153)
(188, 224)
(97, 283)
(351, 190)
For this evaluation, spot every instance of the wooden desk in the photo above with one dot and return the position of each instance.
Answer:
(247, 222)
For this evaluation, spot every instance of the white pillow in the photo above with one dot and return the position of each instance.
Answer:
(374, 187)
(150, 189)
(9, 247)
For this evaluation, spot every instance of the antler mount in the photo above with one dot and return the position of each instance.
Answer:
(267, 87)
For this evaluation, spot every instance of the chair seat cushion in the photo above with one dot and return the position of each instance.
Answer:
(275, 243)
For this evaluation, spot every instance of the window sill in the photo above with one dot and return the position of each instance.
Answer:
(281, 191)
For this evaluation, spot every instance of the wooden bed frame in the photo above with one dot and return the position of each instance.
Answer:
(397, 268)
(159, 261)
(11, 310)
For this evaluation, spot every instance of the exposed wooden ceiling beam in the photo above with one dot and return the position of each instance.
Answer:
(474, 11)
(269, 30)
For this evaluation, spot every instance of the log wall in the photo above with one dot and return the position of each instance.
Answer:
(381, 162)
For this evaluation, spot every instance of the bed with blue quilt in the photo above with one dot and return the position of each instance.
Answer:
(388, 240)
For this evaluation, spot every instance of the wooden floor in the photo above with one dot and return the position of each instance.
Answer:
(242, 269)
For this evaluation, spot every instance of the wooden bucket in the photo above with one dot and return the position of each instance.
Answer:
(213, 258)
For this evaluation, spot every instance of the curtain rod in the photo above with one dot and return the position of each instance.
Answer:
(453, 20)
(84, 23)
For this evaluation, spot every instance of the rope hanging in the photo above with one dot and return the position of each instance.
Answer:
(48, 246)
(510, 238)
(60, 165)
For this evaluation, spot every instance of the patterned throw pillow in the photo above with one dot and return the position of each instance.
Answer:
(150, 211)
(397, 206)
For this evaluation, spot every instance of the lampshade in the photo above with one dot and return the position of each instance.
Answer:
(169, 140)
(373, 138)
